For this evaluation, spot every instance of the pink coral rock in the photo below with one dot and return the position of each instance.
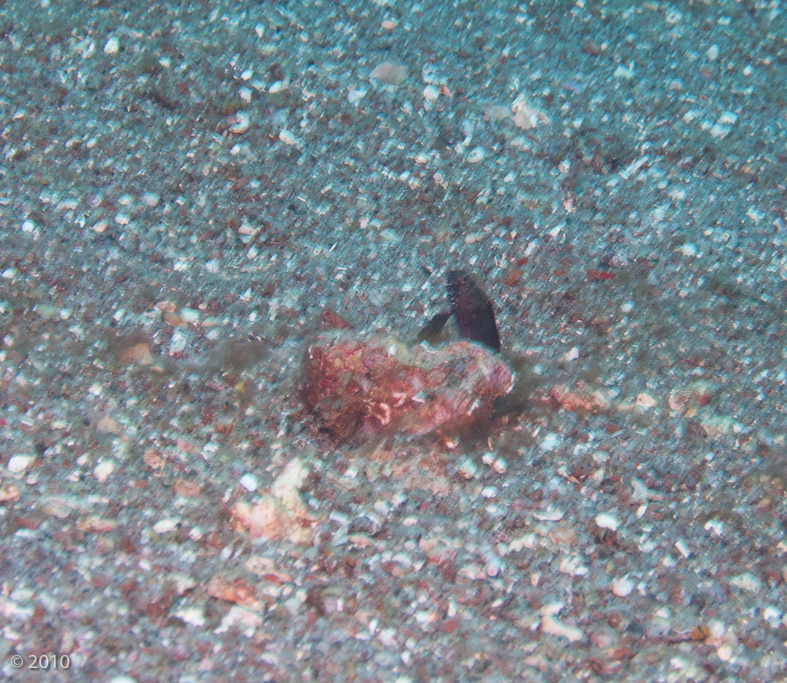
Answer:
(358, 384)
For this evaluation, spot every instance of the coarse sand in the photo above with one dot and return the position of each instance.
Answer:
(190, 190)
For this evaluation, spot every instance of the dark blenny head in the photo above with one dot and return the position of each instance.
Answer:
(475, 315)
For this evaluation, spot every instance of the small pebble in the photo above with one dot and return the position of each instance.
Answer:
(467, 468)
(249, 482)
(112, 46)
(390, 73)
(551, 442)
(19, 463)
(103, 470)
(645, 401)
(164, 526)
(287, 137)
(475, 155)
(355, 95)
(189, 315)
(607, 521)
(431, 93)
(241, 124)
(622, 587)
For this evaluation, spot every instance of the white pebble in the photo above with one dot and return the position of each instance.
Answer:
(499, 465)
(554, 627)
(249, 482)
(28, 226)
(747, 582)
(389, 235)
(489, 492)
(19, 463)
(192, 615)
(724, 653)
(112, 46)
(189, 315)
(551, 442)
(164, 526)
(242, 123)
(622, 587)
(103, 470)
(688, 249)
(431, 93)
(387, 72)
(151, 198)
(572, 354)
(673, 16)
(177, 343)
(475, 155)
(728, 118)
(355, 95)
(474, 237)
(607, 521)
(287, 137)
(467, 468)
(645, 401)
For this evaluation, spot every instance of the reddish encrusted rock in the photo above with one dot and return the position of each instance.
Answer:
(358, 384)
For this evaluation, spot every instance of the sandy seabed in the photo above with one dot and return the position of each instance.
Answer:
(189, 190)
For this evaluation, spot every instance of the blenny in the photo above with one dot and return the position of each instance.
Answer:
(472, 308)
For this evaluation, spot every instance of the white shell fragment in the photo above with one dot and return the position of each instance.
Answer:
(475, 155)
(241, 124)
(527, 117)
(281, 513)
(554, 627)
(682, 548)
